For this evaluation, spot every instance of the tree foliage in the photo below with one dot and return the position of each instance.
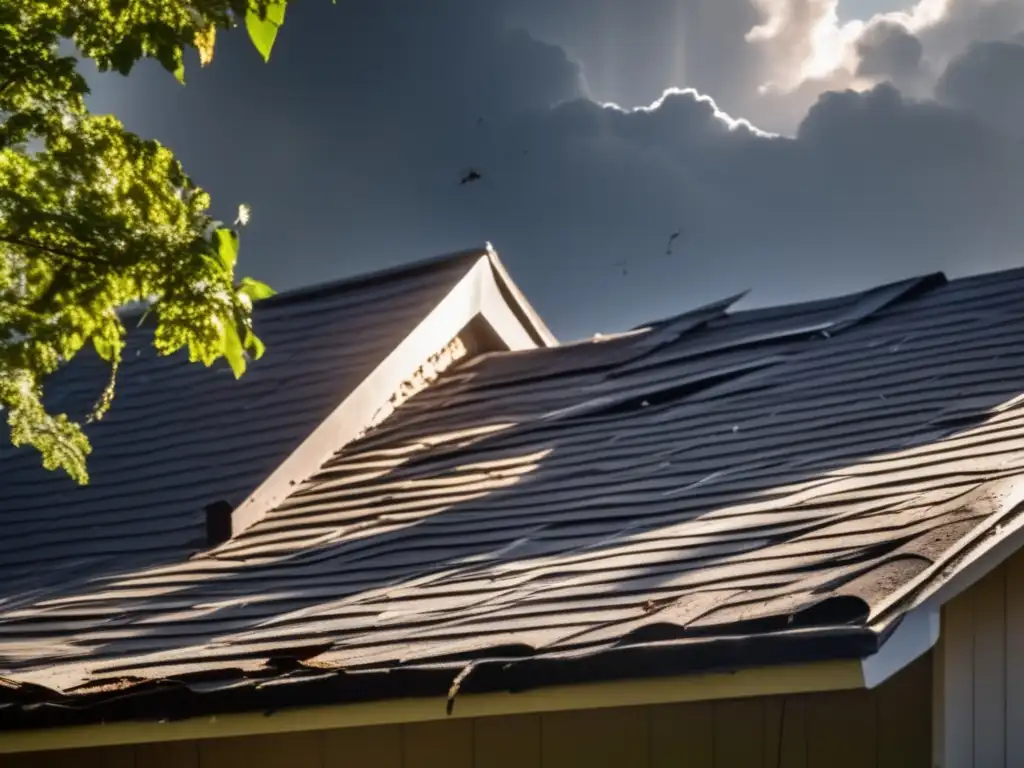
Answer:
(94, 218)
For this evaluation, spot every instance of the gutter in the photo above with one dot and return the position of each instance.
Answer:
(758, 681)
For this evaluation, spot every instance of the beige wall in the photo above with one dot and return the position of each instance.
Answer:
(887, 728)
(979, 674)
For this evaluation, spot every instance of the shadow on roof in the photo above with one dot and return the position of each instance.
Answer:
(769, 474)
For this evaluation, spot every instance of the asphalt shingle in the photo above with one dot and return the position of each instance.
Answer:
(182, 437)
(767, 479)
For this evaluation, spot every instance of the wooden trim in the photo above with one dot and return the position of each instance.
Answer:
(989, 629)
(1014, 659)
(939, 705)
(761, 681)
(957, 704)
(534, 321)
(917, 633)
(503, 321)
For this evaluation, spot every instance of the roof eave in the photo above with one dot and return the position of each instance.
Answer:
(757, 681)
(909, 622)
(795, 661)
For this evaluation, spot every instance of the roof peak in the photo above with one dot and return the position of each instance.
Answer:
(318, 290)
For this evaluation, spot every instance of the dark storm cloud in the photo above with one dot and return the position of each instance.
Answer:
(351, 143)
(873, 187)
(969, 21)
(366, 110)
(988, 80)
(888, 50)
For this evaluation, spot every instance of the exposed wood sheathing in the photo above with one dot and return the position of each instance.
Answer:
(425, 375)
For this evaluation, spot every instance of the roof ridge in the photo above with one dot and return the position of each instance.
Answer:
(318, 290)
(330, 287)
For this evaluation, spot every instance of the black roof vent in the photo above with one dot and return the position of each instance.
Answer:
(218, 522)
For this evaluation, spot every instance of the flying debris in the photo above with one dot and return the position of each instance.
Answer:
(671, 239)
(471, 176)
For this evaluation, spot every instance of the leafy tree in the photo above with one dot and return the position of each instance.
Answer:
(94, 218)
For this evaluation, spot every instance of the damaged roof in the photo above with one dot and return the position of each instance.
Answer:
(182, 437)
(717, 490)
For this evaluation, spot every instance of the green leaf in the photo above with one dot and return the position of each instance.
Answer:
(172, 58)
(125, 53)
(104, 347)
(254, 289)
(97, 218)
(254, 346)
(263, 31)
(227, 248)
(231, 346)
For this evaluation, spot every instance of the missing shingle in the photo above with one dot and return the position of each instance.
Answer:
(664, 393)
(833, 611)
(671, 393)
(290, 659)
(426, 374)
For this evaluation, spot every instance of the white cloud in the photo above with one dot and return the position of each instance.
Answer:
(731, 123)
(810, 52)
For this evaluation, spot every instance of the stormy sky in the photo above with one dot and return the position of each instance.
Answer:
(800, 147)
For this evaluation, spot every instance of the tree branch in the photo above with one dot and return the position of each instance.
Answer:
(17, 76)
(64, 254)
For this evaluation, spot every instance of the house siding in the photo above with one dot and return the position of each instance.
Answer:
(979, 674)
(886, 728)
